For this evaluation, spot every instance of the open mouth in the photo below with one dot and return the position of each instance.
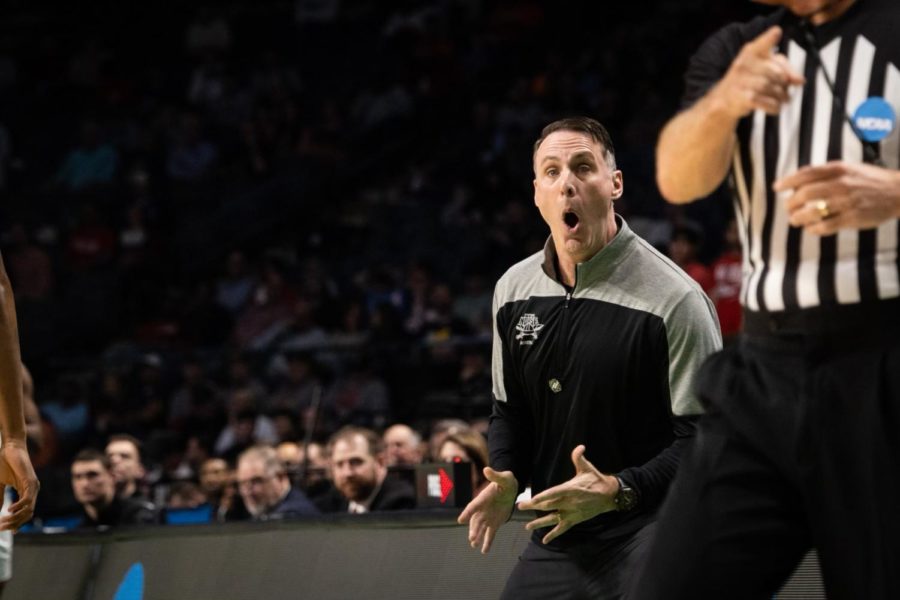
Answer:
(570, 219)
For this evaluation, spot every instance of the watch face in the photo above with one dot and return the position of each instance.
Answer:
(626, 498)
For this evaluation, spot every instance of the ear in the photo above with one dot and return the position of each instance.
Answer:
(534, 183)
(618, 184)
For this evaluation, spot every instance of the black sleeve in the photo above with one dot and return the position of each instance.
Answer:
(511, 433)
(651, 480)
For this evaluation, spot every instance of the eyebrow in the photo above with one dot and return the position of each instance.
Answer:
(578, 155)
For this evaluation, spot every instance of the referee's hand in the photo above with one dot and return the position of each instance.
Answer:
(759, 78)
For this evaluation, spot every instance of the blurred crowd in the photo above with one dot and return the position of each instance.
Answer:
(240, 224)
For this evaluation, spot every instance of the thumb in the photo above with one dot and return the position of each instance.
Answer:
(493, 476)
(763, 44)
(504, 479)
(581, 463)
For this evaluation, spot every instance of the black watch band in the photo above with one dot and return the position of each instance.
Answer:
(626, 498)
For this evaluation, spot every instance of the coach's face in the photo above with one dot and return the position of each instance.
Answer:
(574, 188)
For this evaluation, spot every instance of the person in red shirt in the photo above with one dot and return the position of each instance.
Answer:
(683, 249)
(727, 273)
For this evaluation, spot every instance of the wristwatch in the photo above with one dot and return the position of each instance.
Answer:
(626, 498)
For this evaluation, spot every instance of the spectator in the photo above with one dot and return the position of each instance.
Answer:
(208, 33)
(269, 312)
(439, 432)
(467, 446)
(266, 489)
(217, 482)
(30, 267)
(358, 398)
(241, 378)
(91, 244)
(191, 157)
(473, 306)
(197, 405)
(235, 287)
(359, 473)
(301, 382)
(683, 249)
(92, 162)
(290, 454)
(94, 487)
(286, 424)
(246, 428)
(124, 454)
(727, 272)
(403, 446)
(185, 494)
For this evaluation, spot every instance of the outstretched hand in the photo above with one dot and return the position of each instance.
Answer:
(490, 509)
(758, 78)
(16, 470)
(584, 496)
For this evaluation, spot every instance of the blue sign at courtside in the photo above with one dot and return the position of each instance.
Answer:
(874, 119)
(132, 586)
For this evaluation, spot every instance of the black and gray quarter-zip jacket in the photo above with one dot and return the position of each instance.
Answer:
(608, 364)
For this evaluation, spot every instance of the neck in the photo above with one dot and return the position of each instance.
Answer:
(93, 509)
(830, 11)
(567, 263)
(127, 489)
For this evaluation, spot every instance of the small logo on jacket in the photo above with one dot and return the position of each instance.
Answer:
(528, 329)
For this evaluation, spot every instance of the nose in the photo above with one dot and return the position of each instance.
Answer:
(569, 186)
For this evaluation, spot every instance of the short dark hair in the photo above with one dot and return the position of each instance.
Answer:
(587, 125)
(125, 437)
(376, 444)
(92, 455)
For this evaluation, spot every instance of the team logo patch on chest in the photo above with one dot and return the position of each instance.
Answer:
(528, 327)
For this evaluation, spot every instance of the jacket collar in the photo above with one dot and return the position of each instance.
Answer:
(599, 266)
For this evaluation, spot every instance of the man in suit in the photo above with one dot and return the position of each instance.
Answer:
(266, 488)
(359, 470)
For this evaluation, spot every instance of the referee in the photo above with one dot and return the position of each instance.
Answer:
(801, 446)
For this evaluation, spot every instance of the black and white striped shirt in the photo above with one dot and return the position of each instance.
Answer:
(786, 268)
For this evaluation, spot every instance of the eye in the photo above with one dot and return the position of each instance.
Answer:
(552, 172)
(584, 168)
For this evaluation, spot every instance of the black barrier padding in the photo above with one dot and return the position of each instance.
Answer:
(414, 555)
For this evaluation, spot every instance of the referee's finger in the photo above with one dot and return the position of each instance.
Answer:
(763, 44)
(808, 174)
(832, 225)
(785, 71)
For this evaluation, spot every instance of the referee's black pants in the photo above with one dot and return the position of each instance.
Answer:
(800, 448)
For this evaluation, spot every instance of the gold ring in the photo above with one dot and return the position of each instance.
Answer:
(822, 207)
